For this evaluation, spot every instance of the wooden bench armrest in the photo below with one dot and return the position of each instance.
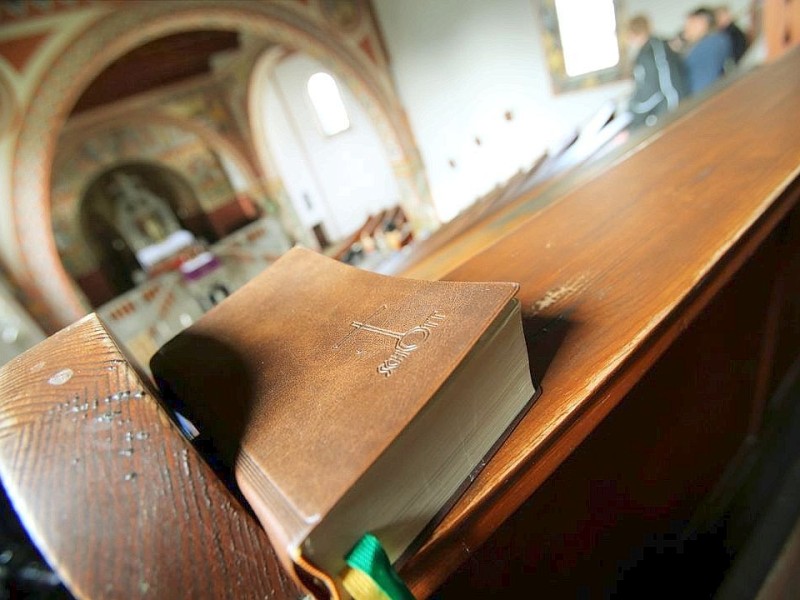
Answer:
(116, 499)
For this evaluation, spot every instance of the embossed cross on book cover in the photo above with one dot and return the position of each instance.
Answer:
(346, 402)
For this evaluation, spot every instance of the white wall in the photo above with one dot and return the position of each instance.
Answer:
(345, 177)
(459, 65)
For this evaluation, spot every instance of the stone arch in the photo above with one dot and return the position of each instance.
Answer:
(8, 104)
(217, 142)
(90, 51)
(263, 66)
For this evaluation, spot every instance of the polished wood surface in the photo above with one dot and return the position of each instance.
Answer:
(615, 276)
(613, 272)
(114, 497)
(631, 490)
(500, 211)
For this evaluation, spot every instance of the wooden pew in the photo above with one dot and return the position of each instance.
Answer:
(583, 163)
(661, 303)
(563, 156)
(375, 226)
(612, 274)
(462, 222)
(433, 257)
(340, 250)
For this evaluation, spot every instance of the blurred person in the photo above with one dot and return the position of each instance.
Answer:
(726, 24)
(658, 73)
(709, 50)
(678, 42)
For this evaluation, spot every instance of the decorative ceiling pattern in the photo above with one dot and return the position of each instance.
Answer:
(164, 61)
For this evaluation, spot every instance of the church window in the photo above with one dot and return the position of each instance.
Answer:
(582, 42)
(328, 104)
(588, 35)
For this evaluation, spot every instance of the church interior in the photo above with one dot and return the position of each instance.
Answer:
(157, 155)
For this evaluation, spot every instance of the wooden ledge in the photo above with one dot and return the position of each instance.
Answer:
(613, 272)
(117, 501)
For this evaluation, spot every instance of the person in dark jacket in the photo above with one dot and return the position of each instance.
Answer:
(726, 24)
(659, 82)
(709, 53)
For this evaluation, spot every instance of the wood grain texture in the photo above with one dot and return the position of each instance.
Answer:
(115, 498)
(556, 178)
(612, 273)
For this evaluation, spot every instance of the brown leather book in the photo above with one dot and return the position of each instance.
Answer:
(347, 402)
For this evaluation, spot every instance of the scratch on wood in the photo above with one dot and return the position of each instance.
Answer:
(557, 294)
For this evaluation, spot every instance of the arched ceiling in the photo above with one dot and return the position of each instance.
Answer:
(161, 62)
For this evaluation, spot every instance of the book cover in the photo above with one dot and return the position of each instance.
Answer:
(309, 373)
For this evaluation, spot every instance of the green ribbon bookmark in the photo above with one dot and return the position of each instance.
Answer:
(370, 575)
